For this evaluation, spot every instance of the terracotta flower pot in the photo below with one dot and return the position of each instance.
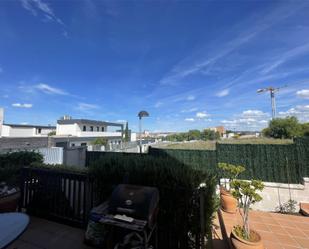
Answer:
(9, 203)
(240, 243)
(228, 202)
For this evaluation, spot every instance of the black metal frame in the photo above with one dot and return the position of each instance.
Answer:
(60, 196)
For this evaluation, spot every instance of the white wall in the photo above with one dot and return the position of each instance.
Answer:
(133, 137)
(275, 194)
(67, 129)
(8, 131)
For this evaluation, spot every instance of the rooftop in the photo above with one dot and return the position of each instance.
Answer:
(87, 121)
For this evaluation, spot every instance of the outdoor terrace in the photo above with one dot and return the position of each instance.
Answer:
(278, 231)
(44, 234)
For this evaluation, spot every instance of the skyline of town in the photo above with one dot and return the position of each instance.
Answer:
(190, 65)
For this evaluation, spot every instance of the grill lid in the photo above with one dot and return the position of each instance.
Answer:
(135, 201)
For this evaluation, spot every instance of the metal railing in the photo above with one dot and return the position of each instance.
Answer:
(67, 197)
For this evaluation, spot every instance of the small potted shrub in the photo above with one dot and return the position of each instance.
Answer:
(242, 237)
(231, 172)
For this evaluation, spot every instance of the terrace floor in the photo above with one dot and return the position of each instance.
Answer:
(49, 235)
(278, 231)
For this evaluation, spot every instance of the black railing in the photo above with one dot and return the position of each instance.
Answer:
(67, 197)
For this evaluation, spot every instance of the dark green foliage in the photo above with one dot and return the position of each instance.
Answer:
(265, 162)
(99, 141)
(198, 159)
(179, 216)
(286, 163)
(11, 163)
(208, 134)
(288, 127)
(126, 133)
(302, 149)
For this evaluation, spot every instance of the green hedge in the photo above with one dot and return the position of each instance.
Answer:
(11, 163)
(302, 149)
(179, 217)
(267, 162)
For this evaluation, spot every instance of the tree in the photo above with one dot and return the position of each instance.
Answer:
(194, 135)
(305, 129)
(126, 133)
(288, 127)
(208, 134)
(99, 141)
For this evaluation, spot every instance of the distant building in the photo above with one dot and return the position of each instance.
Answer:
(23, 130)
(81, 132)
(219, 129)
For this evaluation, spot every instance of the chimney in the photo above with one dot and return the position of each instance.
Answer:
(1, 119)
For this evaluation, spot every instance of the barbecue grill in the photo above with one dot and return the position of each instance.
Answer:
(132, 210)
(138, 202)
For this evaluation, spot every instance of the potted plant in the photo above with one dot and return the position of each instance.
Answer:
(231, 172)
(242, 237)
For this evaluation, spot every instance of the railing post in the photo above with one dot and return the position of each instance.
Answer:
(21, 186)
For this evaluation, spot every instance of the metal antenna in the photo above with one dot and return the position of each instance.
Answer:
(272, 91)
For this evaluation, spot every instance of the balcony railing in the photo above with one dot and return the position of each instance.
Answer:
(99, 134)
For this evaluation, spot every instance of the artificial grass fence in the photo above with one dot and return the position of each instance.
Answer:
(181, 221)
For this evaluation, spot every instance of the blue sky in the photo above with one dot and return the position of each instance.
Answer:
(190, 64)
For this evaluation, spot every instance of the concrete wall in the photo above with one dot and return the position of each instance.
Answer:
(275, 194)
(75, 156)
(11, 143)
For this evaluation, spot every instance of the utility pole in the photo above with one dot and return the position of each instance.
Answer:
(272, 91)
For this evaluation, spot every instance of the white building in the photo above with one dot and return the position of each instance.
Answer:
(23, 130)
(87, 130)
(19, 130)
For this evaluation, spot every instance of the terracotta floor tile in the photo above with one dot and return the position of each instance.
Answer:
(306, 232)
(286, 240)
(303, 242)
(271, 245)
(294, 232)
(291, 247)
(268, 236)
(259, 226)
(286, 223)
(268, 220)
(302, 225)
(277, 229)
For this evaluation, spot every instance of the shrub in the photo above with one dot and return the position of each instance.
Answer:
(179, 217)
(11, 163)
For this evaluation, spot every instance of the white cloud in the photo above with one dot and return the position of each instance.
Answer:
(158, 104)
(19, 105)
(86, 107)
(50, 90)
(194, 109)
(35, 6)
(248, 120)
(201, 115)
(303, 93)
(283, 58)
(223, 93)
(191, 97)
(300, 111)
(121, 121)
(190, 119)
